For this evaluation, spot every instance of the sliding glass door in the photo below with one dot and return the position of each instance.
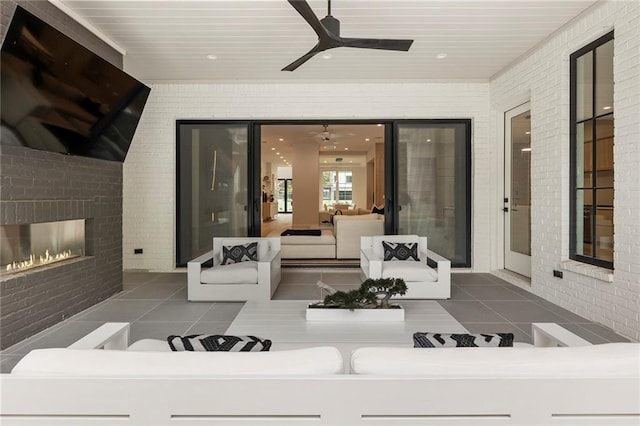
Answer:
(212, 179)
(431, 185)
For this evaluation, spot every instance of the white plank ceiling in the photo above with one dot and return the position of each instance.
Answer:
(255, 39)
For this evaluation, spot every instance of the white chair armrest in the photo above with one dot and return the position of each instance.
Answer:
(551, 335)
(112, 335)
(270, 256)
(372, 263)
(443, 265)
(201, 259)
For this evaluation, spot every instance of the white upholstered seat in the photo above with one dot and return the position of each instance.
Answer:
(250, 280)
(423, 282)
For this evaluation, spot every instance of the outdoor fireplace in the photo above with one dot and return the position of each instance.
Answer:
(24, 247)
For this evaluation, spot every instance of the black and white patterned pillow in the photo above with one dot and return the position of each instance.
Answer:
(472, 340)
(400, 251)
(240, 253)
(218, 342)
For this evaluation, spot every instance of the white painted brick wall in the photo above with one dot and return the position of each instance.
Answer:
(149, 171)
(544, 77)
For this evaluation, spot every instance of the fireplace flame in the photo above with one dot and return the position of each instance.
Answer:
(33, 262)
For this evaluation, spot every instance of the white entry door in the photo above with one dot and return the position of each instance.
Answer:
(517, 197)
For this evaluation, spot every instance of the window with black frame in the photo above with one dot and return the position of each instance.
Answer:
(592, 140)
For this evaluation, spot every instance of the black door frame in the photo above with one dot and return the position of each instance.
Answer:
(254, 190)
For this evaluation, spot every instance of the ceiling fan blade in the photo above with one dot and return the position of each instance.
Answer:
(303, 8)
(301, 60)
(377, 43)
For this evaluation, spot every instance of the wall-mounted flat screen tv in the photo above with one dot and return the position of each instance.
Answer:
(59, 96)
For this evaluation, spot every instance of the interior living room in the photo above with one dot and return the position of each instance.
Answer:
(153, 154)
(339, 166)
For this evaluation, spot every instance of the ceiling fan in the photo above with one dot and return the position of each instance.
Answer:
(328, 31)
(327, 136)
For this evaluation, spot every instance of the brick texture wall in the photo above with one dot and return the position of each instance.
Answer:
(38, 186)
(543, 77)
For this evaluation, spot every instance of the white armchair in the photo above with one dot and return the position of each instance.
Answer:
(422, 281)
(249, 280)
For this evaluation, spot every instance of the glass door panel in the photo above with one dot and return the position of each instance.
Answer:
(433, 186)
(212, 178)
(517, 256)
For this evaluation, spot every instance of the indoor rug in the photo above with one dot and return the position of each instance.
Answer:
(283, 321)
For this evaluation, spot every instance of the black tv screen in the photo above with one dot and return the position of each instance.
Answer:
(59, 96)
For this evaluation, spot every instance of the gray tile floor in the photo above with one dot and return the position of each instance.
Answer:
(156, 306)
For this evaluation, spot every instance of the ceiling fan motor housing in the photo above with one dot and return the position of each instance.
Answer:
(331, 24)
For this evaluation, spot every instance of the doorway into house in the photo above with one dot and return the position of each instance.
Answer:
(517, 190)
(284, 195)
(325, 165)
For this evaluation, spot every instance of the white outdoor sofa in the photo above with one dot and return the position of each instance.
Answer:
(239, 281)
(423, 282)
(79, 385)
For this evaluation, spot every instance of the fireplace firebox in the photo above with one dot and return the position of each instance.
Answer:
(24, 247)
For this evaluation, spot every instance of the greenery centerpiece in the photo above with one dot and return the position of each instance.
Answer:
(372, 294)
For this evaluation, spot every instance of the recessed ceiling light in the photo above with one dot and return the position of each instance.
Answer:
(428, 140)
(527, 133)
(327, 55)
(526, 150)
(273, 149)
(282, 157)
(324, 161)
(367, 139)
(350, 161)
(606, 107)
(379, 125)
(441, 55)
(212, 57)
(346, 149)
(277, 153)
(281, 139)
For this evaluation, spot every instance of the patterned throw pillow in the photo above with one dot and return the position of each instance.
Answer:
(400, 251)
(218, 342)
(240, 253)
(449, 340)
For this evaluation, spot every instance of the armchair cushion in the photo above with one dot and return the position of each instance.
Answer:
(240, 253)
(448, 340)
(409, 271)
(400, 251)
(218, 342)
(236, 273)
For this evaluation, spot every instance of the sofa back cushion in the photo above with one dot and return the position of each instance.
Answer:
(322, 360)
(609, 360)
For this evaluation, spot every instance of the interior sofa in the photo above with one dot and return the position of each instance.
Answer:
(324, 217)
(101, 379)
(349, 229)
(342, 241)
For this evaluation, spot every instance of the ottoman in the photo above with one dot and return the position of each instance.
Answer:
(307, 247)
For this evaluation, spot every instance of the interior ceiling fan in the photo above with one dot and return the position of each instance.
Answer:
(328, 31)
(327, 136)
